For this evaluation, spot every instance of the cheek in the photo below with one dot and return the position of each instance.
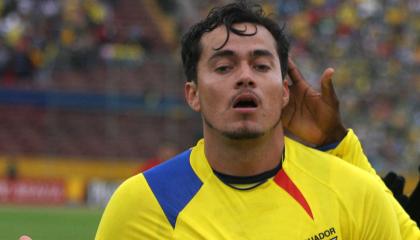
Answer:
(276, 101)
(276, 92)
(210, 99)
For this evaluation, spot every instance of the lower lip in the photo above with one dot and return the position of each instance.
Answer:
(245, 110)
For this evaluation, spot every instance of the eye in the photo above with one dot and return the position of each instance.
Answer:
(223, 69)
(262, 67)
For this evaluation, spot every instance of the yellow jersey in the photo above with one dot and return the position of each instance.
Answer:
(351, 151)
(314, 196)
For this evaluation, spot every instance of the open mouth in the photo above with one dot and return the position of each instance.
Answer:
(245, 101)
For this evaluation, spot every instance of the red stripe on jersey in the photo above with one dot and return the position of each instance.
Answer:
(286, 183)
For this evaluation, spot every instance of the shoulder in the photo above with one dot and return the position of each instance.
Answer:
(173, 183)
(339, 176)
(162, 181)
(132, 212)
(174, 167)
(147, 203)
(150, 202)
(132, 196)
(175, 174)
(360, 196)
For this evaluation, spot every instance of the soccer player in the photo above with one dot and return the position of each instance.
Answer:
(245, 179)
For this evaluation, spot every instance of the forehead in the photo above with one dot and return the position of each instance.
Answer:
(262, 39)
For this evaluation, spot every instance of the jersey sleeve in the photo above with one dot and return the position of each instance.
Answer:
(133, 213)
(376, 217)
(351, 151)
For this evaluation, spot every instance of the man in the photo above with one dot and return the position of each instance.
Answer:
(245, 179)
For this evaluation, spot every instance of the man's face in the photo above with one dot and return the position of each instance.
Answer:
(240, 92)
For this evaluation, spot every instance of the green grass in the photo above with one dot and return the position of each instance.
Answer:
(45, 223)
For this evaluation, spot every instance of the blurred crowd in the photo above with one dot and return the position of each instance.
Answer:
(37, 37)
(374, 46)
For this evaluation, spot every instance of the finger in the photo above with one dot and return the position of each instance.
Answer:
(24, 237)
(294, 73)
(327, 87)
(389, 178)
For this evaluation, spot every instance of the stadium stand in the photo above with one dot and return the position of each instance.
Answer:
(98, 54)
(102, 78)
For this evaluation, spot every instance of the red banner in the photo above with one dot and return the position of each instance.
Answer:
(32, 191)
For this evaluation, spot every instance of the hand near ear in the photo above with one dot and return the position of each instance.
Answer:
(311, 116)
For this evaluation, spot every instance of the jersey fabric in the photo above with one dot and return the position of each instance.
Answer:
(351, 151)
(314, 196)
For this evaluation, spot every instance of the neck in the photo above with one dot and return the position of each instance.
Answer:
(244, 157)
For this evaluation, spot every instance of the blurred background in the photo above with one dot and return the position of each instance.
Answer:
(91, 93)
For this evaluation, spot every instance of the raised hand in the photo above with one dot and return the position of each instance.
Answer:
(311, 116)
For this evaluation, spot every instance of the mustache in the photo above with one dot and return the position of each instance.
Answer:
(245, 94)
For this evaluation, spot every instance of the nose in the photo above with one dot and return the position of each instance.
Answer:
(245, 78)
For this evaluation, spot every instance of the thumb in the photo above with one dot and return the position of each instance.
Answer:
(327, 87)
(24, 237)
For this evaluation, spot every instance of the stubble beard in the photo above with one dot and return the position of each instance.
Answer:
(242, 133)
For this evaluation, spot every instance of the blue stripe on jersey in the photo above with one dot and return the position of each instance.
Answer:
(328, 146)
(174, 183)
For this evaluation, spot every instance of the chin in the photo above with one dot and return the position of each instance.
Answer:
(243, 134)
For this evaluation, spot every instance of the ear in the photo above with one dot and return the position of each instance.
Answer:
(192, 95)
(286, 93)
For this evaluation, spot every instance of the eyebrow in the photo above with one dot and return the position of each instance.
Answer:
(254, 54)
(221, 54)
(261, 53)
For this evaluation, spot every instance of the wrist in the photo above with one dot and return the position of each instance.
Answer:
(336, 135)
(327, 147)
(334, 138)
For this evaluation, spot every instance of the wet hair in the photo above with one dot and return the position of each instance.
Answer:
(228, 15)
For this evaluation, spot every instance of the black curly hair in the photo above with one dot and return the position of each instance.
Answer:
(228, 15)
